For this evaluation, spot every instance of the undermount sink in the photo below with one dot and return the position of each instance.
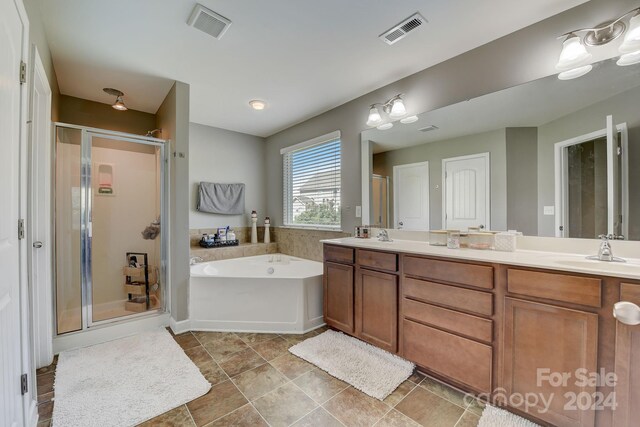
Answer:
(576, 262)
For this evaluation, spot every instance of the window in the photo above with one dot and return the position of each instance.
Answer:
(311, 183)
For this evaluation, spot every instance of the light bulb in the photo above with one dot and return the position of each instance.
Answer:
(374, 116)
(629, 59)
(574, 73)
(574, 54)
(385, 126)
(119, 104)
(631, 43)
(410, 119)
(397, 108)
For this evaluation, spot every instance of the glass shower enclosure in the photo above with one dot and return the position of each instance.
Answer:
(110, 217)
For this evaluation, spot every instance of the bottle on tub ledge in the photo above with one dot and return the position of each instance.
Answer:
(267, 235)
(254, 227)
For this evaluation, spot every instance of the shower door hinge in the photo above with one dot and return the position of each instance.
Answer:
(24, 383)
(23, 72)
(20, 229)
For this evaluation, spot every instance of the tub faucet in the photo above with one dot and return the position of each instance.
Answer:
(605, 252)
(383, 236)
(195, 259)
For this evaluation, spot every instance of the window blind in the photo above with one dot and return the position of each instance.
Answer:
(312, 184)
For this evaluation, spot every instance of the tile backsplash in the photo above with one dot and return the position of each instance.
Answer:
(304, 243)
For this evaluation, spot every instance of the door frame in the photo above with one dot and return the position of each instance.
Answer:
(396, 168)
(487, 158)
(561, 168)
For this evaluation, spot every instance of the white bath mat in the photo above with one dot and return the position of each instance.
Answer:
(124, 382)
(496, 417)
(369, 369)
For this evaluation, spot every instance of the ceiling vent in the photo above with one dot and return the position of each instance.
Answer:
(428, 128)
(401, 30)
(208, 21)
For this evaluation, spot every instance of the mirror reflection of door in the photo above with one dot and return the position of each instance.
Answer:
(380, 201)
(411, 196)
(593, 172)
(466, 193)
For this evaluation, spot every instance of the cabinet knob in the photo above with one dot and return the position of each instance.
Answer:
(627, 312)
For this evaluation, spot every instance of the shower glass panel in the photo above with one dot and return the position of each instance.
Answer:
(68, 296)
(109, 216)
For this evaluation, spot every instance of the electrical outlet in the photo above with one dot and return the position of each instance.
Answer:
(358, 211)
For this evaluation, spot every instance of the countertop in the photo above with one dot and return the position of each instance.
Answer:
(575, 263)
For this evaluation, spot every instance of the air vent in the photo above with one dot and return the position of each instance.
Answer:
(208, 21)
(428, 128)
(400, 31)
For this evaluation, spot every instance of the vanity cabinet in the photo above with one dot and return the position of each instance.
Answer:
(339, 296)
(376, 305)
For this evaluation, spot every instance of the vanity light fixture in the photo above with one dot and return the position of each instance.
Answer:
(119, 104)
(410, 119)
(257, 104)
(575, 59)
(394, 108)
(385, 126)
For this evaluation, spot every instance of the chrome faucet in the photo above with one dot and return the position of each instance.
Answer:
(195, 259)
(605, 252)
(383, 236)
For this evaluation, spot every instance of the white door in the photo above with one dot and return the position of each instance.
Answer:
(411, 196)
(467, 192)
(39, 237)
(11, 39)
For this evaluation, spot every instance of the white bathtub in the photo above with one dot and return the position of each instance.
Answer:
(266, 293)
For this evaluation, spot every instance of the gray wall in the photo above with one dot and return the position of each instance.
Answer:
(497, 65)
(223, 156)
(522, 184)
(173, 118)
(492, 142)
(624, 108)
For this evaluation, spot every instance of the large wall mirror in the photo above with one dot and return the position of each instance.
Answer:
(547, 158)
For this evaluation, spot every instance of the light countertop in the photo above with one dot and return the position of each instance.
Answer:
(576, 263)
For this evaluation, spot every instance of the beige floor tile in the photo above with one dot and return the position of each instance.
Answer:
(396, 419)
(46, 423)
(225, 347)
(416, 377)
(297, 338)
(399, 393)
(429, 409)
(291, 366)
(176, 417)
(242, 361)
(259, 381)
(476, 406)
(245, 416)
(204, 336)
(45, 411)
(47, 397)
(354, 408)
(44, 383)
(198, 355)
(222, 399)
(186, 340)
(318, 418)
(284, 405)
(254, 338)
(213, 372)
(451, 394)
(319, 385)
(271, 349)
(468, 419)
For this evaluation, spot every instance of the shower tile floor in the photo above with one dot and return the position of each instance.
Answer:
(257, 382)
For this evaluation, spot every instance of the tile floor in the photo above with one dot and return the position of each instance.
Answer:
(257, 382)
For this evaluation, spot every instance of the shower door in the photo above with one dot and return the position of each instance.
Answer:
(110, 250)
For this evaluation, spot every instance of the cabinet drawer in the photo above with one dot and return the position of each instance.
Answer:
(480, 276)
(338, 254)
(630, 292)
(453, 321)
(461, 359)
(450, 296)
(558, 287)
(378, 260)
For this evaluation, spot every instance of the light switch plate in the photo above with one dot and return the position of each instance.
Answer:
(358, 211)
(549, 210)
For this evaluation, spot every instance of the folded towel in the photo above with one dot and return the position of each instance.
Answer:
(226, 199)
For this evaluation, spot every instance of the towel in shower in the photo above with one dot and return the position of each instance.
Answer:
(226, 199)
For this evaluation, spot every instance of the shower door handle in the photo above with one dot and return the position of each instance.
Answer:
(37, 245)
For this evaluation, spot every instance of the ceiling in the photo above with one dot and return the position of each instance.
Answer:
(529, 105)
(302, 58)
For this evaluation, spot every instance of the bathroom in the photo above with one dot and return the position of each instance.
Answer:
(121, 139)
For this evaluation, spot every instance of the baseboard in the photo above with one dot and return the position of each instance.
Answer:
(250, 327)
(179, 327)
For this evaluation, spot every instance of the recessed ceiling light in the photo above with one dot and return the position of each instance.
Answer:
(385, 126)
(256, 104)
(410, 119)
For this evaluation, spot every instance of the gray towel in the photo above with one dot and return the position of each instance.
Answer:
(226, 199)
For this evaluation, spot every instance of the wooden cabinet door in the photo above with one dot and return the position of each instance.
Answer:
(627, 365)
(338, 296)
(377, 309)
(540, 336)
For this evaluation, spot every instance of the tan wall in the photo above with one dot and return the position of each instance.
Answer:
(83, 112)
